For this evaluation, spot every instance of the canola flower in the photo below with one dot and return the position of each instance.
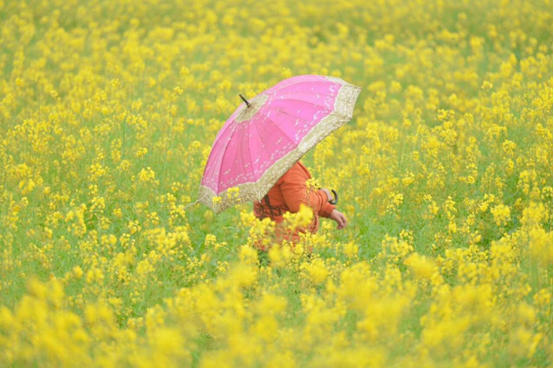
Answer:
(107, 113)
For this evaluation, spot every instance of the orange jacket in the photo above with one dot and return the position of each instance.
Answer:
(287, 195)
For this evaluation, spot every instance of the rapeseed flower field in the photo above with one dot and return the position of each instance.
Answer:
(108, 111)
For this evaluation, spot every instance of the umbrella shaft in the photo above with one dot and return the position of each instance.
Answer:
(245, 100)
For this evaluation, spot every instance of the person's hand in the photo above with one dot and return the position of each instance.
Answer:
(339, 218)
(330, 196)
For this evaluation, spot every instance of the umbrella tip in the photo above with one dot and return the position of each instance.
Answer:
(245, 100)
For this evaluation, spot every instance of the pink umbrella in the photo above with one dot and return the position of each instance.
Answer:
(266, 136)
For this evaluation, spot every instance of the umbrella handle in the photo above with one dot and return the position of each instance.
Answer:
(336, 195)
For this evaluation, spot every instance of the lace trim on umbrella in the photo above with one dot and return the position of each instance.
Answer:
(343, 110)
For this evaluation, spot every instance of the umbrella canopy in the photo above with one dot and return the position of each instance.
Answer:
(264, 137)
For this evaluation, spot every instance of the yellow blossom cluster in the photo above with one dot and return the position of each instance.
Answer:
(109, 109)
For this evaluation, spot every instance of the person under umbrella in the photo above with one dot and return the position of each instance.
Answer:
(288, 194)
(255, 156)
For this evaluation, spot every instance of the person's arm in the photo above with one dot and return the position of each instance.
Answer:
(294, 190)
(327, 207)
(333, 214)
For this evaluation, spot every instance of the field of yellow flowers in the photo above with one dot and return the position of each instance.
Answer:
(109, 108)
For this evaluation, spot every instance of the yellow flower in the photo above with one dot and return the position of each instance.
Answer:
(501, 214)
(420, 265)
(146, 175)
(316, 270)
